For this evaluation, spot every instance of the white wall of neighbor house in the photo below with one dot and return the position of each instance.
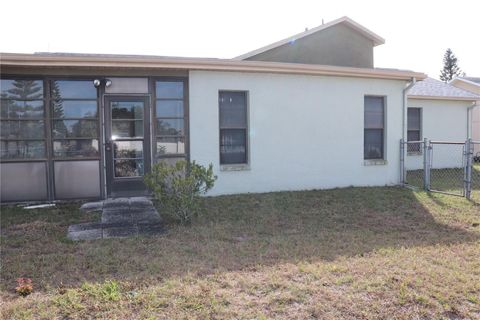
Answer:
(442, 120)
(476, 123)
(476, 128)
(305, 132)
(475, 88)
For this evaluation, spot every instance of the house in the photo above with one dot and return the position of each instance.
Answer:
(441, 112)
(307, 112)
(471, 84)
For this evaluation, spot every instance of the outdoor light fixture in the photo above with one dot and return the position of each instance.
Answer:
(98, 82)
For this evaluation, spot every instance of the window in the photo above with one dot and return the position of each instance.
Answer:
(170, 118)
(374, 119)
(233, 127)
(414, 125)
(22, 119)
(75, 130)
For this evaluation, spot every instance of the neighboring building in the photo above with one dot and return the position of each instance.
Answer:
(306, 114)
(471, 84)
(437, 111)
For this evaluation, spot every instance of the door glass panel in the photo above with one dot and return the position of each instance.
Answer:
(128, 168)
(128, 149)
(127, 135)
(127, 129)
(127, 110)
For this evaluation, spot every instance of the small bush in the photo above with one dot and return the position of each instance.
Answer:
(24, 287)
(177, 188)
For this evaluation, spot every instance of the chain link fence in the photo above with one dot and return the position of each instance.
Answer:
(475, 174)
(447, 167)
(413, 165)
(442, 166)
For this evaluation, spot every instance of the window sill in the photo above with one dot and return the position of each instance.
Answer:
(375, 162)
(234, 167)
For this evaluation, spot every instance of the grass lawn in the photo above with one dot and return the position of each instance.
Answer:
(357, 253)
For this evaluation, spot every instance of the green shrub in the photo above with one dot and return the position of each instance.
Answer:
(177, 188)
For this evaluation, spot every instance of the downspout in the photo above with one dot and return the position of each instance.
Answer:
(469, 121)
(404, 111)
(403, 149)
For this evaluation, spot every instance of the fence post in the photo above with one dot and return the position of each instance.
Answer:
(468, 168)
(426, 174)
(402, 162)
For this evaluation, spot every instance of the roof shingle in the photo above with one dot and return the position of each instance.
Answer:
(434, 88)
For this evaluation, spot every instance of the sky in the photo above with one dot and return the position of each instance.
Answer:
(417, 33)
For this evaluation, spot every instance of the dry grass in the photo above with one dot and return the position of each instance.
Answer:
(347, 253)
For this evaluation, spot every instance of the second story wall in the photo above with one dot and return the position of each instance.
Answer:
(338, 45)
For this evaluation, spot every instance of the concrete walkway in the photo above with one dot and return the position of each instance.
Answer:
(121, 217)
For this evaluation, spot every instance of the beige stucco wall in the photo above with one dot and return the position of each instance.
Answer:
(338, 45)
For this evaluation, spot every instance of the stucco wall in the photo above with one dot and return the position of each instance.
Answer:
(475, 111)
(441, 121)
(338, 45)
(305, 132)
(476, 125)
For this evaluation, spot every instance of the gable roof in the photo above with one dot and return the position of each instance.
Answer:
(377, 40)
(437, 90)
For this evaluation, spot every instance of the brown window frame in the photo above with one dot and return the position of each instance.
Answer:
(43, 120)
(156, 137)
(54, 119)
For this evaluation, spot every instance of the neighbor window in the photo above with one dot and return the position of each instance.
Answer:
(414, 129)
(75, 131)
(233, 127)
(374, 127)
(22, 119)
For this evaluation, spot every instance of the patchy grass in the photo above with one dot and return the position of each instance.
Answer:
(346, 253)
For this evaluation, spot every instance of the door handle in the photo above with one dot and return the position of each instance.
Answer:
(108, 146)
